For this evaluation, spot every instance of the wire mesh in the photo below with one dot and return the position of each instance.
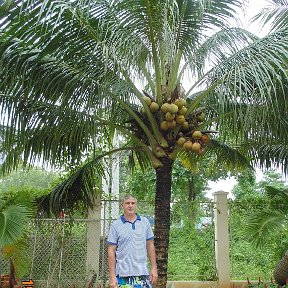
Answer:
(191, 245)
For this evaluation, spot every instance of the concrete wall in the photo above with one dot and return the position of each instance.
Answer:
(205, 284)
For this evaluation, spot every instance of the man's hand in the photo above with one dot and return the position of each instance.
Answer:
(111, 265)
(152, 257)
(153, 275)
(113, 282)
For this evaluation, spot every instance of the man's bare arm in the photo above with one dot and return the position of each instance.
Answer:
(112, 266)
(152, 257)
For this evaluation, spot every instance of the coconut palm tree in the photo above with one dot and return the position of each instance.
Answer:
(74, 72)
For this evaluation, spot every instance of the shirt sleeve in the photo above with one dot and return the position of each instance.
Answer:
(112, 236)
(149, 231)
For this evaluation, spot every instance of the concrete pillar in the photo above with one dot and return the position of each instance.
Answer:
(93, 240)
(110, 184)
(222, 238)
(111, 188)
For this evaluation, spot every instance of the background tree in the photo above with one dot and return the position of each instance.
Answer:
(34, 177)
(246, 185)
(142, 182)
(259, 210)
(74, 72)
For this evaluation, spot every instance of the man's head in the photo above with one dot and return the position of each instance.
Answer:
(129, 205)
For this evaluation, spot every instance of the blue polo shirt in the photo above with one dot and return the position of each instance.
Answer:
(130, 239)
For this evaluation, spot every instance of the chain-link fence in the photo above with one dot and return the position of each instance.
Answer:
(63, 253)
(191, 245)
(67, 252)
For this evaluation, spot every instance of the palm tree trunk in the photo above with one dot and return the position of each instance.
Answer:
(281, 271)
(162, 218)
(93, 239)
(191, 201)
(192, 190)
(11, 274)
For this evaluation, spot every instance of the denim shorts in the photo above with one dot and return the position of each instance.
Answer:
(134, 282)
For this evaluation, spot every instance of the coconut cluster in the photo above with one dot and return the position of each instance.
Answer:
(153, 106)
(174, 114)
(196, 143)
(174, 119)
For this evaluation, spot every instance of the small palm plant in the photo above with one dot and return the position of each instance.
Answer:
(264, 223)
(13, 235)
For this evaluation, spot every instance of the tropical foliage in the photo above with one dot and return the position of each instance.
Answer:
(18, 192)
(74, 72)
(260, 208)
(271, 216)
(13, 231)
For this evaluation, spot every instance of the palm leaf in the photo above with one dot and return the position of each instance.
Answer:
(261, 225)
(269, 156)
(218, 47)
(18, 253)
(276, 14)
(219, 155)
(273, 192)
(81, 185)
(13, 224)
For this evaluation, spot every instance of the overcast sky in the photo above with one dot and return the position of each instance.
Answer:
(253, 8)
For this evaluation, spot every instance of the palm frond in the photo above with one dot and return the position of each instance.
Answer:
(281, 195)
(261, 225)
(196, 18)
(13, 224)
(267, 156)
(219, 155)
(250, 99)
(259, 68)
(53, 134)
(140, 158)
(218, 47)
(275, 14)
(81, 185)
(228, 156)
(18, 253)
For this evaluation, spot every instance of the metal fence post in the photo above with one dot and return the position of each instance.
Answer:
(222, 238)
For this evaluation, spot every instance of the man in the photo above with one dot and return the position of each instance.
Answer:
(130, 239)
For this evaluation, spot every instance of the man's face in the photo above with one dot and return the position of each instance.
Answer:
(129, 206)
